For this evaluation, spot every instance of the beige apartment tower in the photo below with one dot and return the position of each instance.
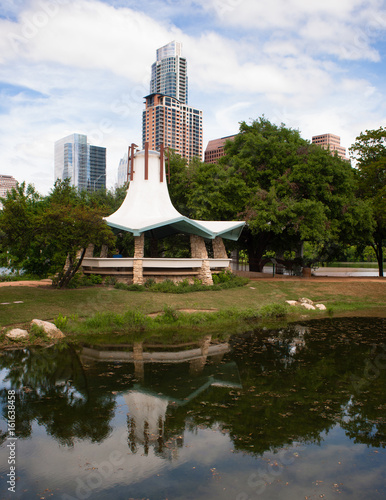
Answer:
(330, 142)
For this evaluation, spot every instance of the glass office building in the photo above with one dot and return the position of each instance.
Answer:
(81, 162)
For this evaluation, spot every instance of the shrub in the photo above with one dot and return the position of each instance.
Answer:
(85, 280)
(37, 332)
(274, 310)
(121, 286)
(134, 287)
(170, 315)
(110, 281)
(61, 321)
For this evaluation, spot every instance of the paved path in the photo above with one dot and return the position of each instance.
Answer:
(46, 282)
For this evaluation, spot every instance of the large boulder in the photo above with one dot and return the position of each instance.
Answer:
(49, 329)
(17, 334)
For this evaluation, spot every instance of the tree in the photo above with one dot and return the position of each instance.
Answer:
(40, 234)
(369, 153)
(17, 230)
(286, 189)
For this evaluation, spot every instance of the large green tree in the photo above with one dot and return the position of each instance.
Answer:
(369, 153)
(286, 189)
(39, 235)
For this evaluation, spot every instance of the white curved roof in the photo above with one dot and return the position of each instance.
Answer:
(147, 207)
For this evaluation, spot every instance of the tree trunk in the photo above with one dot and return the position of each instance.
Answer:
(72, 270)
(377, 246)
(256, 247)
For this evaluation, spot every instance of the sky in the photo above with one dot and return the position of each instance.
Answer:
(83, 66)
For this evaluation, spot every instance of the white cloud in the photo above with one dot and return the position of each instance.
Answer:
(84, 66)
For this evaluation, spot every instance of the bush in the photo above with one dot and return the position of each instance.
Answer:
(85, 280)
(61, 321)
(170, 315)
(274, 310)
(221, 281)
(37, 332)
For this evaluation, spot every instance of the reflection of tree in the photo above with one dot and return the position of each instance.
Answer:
(272, 389)
(51, 388)
(295, 394)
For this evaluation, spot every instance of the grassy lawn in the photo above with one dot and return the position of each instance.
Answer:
(48, 303)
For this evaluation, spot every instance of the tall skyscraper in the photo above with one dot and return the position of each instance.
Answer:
(81, 162)
(167, 118)
(330, 142)
(169, 73)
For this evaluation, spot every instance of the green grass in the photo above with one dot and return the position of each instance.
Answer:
(96, 310)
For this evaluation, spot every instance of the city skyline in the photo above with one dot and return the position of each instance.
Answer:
(313, 66)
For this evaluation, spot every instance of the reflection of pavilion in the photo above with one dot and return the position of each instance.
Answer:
(163, 384)
(148, 211)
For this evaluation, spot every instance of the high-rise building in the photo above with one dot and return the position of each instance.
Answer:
(81, 162)
(330, 142)
(7, 182)
(167, 118)
(169, 73)
(123, 172)
(215, 149)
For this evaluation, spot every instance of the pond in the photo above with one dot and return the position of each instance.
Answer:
(291, 413)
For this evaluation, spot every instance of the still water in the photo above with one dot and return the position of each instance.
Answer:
(291, 413)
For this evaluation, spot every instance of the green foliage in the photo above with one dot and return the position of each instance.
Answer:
(134, 287)
(286, 189)
(170, 315)
(80, 280)
(38, 234)
(274, 310)
(61, 321)
(369, 152)
(221, 281)
(37, 333)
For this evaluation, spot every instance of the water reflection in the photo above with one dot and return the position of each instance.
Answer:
(263, 391)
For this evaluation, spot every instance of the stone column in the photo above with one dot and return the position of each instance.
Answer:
(198, 251)
(219, 251)
(139, 244)
(104, 251)
(139, 365)
(89, 251)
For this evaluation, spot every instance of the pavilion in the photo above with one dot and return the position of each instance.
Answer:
(148, 210)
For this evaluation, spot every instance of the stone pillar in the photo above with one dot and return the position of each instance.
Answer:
(104, 251)
(197, 365)
(89, 251)
(139, 365)
(139, 244)
(198, 251)
(219, 251)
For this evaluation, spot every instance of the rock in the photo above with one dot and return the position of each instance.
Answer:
(17, 334)
(293, 302)
(49, 328)
(321, 307)
(306, 301)
(307, 305)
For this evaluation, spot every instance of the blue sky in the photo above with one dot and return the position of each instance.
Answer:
(84, 66)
